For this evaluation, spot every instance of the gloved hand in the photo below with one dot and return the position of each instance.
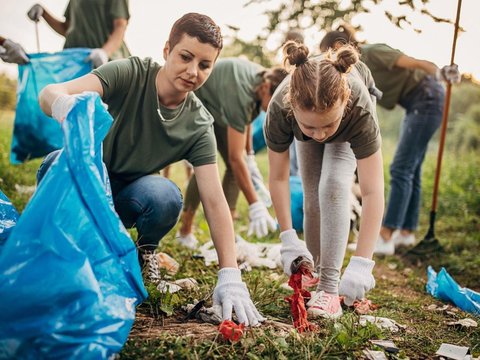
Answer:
(232, 294)
(98, 57)
(35, 12)
(61, 106)
(292, 248)
(357, 279)
(449, 73)
(257, 180)
(260, 220)
(13, 53)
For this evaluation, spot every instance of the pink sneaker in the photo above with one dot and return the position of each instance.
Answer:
(325, 305)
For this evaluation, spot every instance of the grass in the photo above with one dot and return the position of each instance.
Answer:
(400, 291)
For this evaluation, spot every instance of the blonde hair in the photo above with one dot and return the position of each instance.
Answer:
(317, 84)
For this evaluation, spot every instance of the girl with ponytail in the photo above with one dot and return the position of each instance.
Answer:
(325, 104)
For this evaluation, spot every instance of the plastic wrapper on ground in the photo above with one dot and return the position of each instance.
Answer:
(8, 217)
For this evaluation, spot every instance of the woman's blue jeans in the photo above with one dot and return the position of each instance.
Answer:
(150, 203)
(424, 108)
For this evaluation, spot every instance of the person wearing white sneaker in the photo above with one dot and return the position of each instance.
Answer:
(327, 107)
(99, 25)
(158, 120)
(417, 86)
(234, 94)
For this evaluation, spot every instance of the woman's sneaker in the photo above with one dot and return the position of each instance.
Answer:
(403, 240)
(324, 305)
(384, 247)
(150, 268)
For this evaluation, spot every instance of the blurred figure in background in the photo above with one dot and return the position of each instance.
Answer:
(99, 25)
(12, 52)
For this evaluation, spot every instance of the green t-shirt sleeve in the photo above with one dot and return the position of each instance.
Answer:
(384, 55)
(277, 129)
(204, 151)
(238, 110)
(115, 77)
(119, 9)
(367, 139)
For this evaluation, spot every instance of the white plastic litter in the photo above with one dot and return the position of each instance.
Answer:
(252, 254)
(381, 322)
(189, 284)
(464, 322)
(374, 355)
(450, 351)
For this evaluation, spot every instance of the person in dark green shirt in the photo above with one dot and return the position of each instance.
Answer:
(415, 85)
(96, 24)
(158, 120)
(234, 94)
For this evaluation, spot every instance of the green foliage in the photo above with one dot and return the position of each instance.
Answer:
(253, 51)
(7, 93)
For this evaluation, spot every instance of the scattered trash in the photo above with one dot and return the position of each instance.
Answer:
(374, 355)
(381, 322)
(464, 323)
(231, 331)
(250, 254)
(361, 307)
(435, 307)
(165, 261)
(392, 266)
(177, 285)
(211, 315)
(450, 351)
(297, 300)
(388, 345)
(24, 189)
(442, 286)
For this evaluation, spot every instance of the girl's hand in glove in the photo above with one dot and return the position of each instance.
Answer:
(357, 279)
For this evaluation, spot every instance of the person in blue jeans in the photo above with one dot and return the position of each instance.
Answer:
(416, 86)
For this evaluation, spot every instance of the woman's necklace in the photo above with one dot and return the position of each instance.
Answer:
(176, 116)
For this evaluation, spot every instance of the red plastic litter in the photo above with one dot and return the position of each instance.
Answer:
(297, 282)
(230, 330)
(361, 307)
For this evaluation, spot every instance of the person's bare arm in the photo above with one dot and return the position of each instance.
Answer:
(217, 214)
(279, 184)
(115, 39)
(409, 62)
(236, 157)
(370, 176)
(57, 25)
(51, 92)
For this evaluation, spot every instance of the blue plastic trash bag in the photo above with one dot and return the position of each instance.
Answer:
(34, 133)
(69, 273)
(8, 217)
(257, 132)
(296, 202)
(443, 287)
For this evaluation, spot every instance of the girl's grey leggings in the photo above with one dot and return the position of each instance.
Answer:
(327, 176)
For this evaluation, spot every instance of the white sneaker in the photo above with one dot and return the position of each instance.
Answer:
(403, 240)
(150, 270)
(324, 305)
(383, 247)
(189, 240)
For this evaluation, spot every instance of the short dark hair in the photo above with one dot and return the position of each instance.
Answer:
(199, 26)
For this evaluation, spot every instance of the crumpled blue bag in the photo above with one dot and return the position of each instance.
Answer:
(257, 132)
(296, 202)
(8, 217)
(443, 287)
(69, 273)
(34, 133)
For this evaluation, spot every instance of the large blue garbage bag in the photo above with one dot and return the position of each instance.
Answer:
(296, 202)
(8, 217)
(444, 287)
(257, 132)
(69, 273)
(34, 133)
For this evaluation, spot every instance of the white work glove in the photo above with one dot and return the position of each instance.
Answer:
(98, 57)
(13, 53)
(232, 294)
(61, 106)
(260, 220)
(449, 73)
(357, 279)
(292, 248)
(35, 12)
(257, 180)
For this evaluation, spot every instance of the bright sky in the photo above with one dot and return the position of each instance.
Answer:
(151, 21)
